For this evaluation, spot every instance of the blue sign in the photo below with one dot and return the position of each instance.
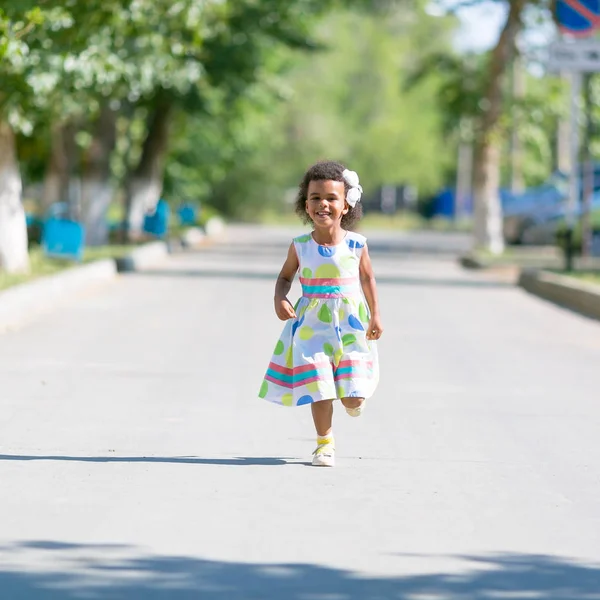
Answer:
(578, 17)
(63, 238)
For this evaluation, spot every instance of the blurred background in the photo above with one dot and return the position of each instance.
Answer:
(123, 120)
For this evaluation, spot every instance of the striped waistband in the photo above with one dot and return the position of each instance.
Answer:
(330, 288)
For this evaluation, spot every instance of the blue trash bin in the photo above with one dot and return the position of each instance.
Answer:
(63, 238)
(188, 214)
(157, 223)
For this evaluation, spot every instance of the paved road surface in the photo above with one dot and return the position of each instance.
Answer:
(136, 462)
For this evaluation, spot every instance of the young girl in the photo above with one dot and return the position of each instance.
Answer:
(327, 349)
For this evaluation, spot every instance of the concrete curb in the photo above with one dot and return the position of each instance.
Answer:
(578, 296)
(142, 257)
(196, 238)
(471, 261)
(24, 302)
(468, 261)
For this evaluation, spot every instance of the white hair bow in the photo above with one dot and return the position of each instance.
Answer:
(355, 192)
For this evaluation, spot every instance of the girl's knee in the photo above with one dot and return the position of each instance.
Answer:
(352, 402)
(322, 405)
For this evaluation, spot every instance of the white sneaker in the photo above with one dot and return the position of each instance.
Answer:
(356, 412)
(324, 455)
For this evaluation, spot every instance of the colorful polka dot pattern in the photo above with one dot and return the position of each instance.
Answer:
(324, 353)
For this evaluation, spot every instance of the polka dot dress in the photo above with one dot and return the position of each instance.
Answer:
(324, 353)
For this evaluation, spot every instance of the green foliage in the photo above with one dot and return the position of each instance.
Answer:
(462, 80)
(347, 101)
(536, 117)
(259, 89)
(63, 62)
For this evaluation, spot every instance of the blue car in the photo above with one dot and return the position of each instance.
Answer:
(528, 217)
(544, 230)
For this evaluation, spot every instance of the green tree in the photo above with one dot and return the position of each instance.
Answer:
(83, 68)
(346, 101)
(484, 107)
(21, 75)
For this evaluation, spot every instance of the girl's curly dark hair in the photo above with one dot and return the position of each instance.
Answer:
(328, 170)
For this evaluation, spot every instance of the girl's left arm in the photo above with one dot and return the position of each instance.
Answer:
(367, 280)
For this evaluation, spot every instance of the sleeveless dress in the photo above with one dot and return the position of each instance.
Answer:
(324, 353)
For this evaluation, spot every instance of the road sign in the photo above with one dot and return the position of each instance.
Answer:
(582, 56)
(578, 17)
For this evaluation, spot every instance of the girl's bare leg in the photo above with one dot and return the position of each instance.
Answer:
(353, 402)
(322, 413)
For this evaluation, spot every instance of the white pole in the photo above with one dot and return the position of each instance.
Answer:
(563, 150)
(576, 81)
(576, 84)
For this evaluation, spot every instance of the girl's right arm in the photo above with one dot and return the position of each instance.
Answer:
(283, 307)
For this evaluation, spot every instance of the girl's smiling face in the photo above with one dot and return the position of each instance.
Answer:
(326, 202)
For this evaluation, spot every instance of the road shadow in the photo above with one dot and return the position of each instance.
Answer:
(59, 571)
(242, 461)
(272, 276)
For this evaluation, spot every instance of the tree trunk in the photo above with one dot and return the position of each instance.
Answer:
(144, 185)
(14, 257)
(60, 165)
(464, 179)
(96, 189)
(517, 183)
(488, 210)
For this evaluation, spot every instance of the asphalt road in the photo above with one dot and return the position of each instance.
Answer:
(136, 461)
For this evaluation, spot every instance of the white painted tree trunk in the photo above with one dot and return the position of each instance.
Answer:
(517, 181)
(96, 188)
(488, 208)
(144, 196)
(486, 184)
(464, 179)
(56, 180)
(14, 257)
(97, 194)
(146, 181)
(53, 188)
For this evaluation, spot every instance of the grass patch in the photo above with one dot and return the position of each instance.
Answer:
(104, 252)
(587, 276)
(41, 265)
